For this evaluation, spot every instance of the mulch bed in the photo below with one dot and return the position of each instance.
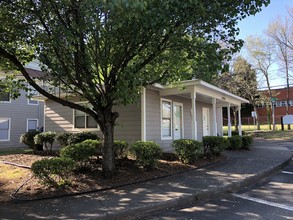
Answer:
(29, 188)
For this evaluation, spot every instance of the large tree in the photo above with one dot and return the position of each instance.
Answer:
(280, 31)
(241, 80)
(105, 51)
(261, 53)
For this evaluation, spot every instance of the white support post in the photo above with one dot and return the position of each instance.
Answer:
(215, 130)
(193, 115)
(143, 114)
(229, 121)
(239, 121)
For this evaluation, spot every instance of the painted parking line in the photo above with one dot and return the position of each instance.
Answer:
(287, 172)
(277, 205)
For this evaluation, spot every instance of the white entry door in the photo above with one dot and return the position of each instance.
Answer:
(177, 121)
(206, 121)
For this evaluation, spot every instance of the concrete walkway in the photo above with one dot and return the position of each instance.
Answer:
(241, 168)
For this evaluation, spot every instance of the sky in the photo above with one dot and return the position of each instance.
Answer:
(255, 25)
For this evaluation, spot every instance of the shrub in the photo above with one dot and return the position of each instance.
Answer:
(120, 148)
(188, 150)
(246, 142)
(147, 153)
(54, 172)
(236, 133)
(235, 142)
(80, 137)
(80, 152)
(45, 138)
(213, 145)
(63, 138)
(94, 144)
(27, 138)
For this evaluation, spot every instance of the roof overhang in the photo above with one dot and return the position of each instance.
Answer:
(204, 91)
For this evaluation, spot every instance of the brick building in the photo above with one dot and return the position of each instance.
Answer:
(280, 103)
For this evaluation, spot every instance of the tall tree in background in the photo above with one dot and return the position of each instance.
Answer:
(241, 80)
(246, 82)
(105, 51)
(280, 31)
(261, 52)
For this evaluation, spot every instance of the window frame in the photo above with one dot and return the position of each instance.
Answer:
(85, 120)
(30, 119)
(171, 119)
(9, 129)
(32, 92)
(181, 118)
(4, 100)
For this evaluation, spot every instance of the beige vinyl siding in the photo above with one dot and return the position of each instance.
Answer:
(128, 126)
(19, 111)
(58, 118)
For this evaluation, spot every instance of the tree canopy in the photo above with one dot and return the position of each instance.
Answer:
(105, 51)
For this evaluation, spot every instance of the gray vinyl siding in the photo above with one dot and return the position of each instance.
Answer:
(128, 125)
(153, 115)
(19, 111)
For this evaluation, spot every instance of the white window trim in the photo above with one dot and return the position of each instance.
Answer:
(161, 111)
(30, 119)
(182, 118)
(82, 129)
(9, 124)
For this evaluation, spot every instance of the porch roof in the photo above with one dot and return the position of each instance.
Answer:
(204, 92)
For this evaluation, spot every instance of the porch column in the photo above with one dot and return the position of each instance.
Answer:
(193, 115)
(229, 120)
(215, 130)
(143, 113)
(239, 121)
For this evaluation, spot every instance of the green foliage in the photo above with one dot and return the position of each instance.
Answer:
(235, 142)
(188, 150)
(63, 138)
(120, 149)
(45, 139)
(80, 153)
(27, 138)
(147, 153)
(98, 145)
(54, 172)
(214, 145)
(80, 137)
(246, 142)
(107, 50)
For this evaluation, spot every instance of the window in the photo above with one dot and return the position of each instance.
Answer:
(166, 119)
(4, 96)
(32, 124)
(30, 93)
(83, 120)
(4, 129)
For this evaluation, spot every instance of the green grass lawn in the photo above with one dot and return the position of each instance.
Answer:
(278, 134)
(251, 128)
(15, 151)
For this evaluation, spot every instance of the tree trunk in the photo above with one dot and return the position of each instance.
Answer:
(269, 117)
(234, 109)
(256, 118)
(108, 150)
(107, 128)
